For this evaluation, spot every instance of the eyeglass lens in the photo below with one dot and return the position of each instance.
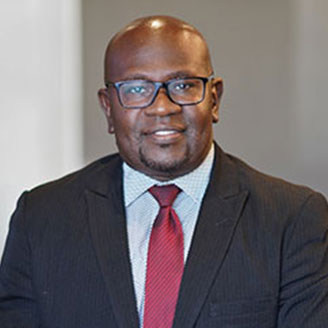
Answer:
(139, 93)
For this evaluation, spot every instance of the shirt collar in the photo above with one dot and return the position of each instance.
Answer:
(193, 184)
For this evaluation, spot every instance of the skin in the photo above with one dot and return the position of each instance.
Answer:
(159, 48)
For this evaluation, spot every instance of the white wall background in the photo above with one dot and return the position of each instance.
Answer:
(271, 54)
(40, 96)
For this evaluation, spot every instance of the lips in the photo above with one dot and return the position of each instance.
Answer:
(165, 134)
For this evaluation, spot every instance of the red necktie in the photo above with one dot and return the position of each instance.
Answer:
(165, 261)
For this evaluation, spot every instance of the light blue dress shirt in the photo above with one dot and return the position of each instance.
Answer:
(142, 209)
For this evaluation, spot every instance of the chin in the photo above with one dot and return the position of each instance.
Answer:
(170, 165)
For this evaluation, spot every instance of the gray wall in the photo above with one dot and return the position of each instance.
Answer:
(273, 58)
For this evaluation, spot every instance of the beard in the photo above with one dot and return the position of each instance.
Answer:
(169, 165)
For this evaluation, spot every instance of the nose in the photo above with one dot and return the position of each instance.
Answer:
(162, 105)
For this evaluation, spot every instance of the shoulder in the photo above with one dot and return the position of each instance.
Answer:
(60, 205)
(270, 193)
(73, 185)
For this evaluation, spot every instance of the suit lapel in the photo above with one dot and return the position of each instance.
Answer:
(108, 230)
(219, 214)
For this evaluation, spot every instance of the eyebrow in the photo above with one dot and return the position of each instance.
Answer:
(135, 77)
(180, 74)
(173, 75)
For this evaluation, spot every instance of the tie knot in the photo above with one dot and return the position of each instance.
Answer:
(165, 195)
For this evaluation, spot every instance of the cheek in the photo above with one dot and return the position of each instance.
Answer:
(123, 120)
(126, 127)
(201, 123)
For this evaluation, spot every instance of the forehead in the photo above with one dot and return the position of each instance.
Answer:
(157, 55)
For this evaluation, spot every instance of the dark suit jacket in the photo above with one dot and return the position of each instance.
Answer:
(259, 256)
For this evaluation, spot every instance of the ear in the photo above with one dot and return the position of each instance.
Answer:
(104, 101)
(216, 92)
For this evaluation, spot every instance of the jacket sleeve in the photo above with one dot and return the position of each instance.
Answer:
(304, 274)
(18, 303)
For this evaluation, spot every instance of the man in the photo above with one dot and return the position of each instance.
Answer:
(172, 232)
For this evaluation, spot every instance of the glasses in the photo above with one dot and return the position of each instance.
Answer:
(137, 94)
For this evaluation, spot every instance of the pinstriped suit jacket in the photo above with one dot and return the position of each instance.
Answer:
(258, 259)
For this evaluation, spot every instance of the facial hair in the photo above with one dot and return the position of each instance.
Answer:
(167, 167)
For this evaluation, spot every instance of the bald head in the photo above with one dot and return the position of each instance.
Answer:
(146, 35)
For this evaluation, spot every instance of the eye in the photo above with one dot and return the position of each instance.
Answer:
(180, 86)
(184, 86)
(137, 89)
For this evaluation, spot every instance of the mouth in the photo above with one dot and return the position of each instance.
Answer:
(165, 134)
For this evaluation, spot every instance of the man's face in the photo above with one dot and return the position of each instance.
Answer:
(163, 140)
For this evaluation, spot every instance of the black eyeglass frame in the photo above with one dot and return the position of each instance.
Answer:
(158, 86)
